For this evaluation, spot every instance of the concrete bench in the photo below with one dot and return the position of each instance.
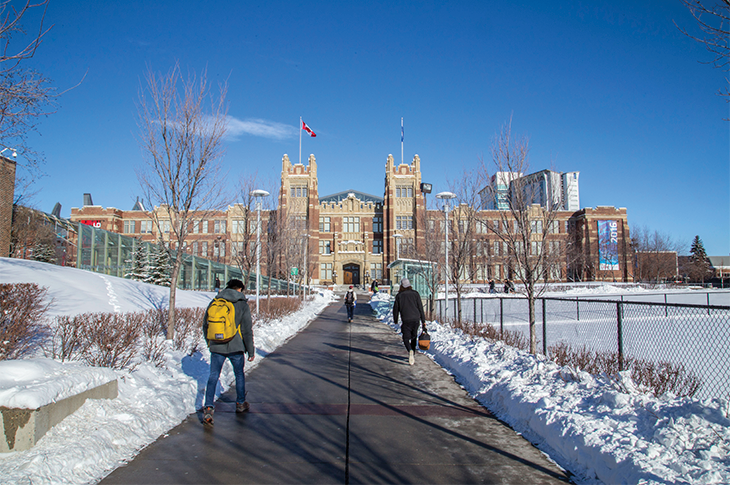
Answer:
(22, 428)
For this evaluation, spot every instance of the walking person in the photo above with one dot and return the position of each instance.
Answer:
(409, 308)
(374, 286)
(350, 302)
(491, 286)
(231, 298)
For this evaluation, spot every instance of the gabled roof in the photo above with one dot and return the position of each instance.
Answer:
(340, 196)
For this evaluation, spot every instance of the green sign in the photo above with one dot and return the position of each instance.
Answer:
(294, 271)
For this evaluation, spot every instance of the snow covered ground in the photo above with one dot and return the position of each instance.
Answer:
(599, 428)
(103, 434)
(602, 429)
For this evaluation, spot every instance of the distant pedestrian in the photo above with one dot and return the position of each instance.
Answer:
(217, 286)
(233, 350)
(506, 286)
(409, 308)
(491, 286)
(374, 286)
(350, 302)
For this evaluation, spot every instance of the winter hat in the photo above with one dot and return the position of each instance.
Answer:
(405, 283)
(350, 286)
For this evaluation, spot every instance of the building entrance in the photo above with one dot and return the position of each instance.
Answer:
(352, 274)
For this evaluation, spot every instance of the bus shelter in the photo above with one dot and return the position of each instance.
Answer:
(419, 273)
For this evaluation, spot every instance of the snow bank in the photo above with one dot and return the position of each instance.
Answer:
(103, 434)
(599, 428)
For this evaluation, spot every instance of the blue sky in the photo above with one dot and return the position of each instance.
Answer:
(611, 89)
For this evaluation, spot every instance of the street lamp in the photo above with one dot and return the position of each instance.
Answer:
(397, 245)
(258, 193)
(445, 196)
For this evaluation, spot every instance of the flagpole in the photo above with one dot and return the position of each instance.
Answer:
(401, 140)
(300, 140)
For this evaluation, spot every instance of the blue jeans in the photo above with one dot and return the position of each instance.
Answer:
(350, 311)
(216, 364)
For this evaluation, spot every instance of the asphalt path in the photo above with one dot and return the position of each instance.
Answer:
(338, 403)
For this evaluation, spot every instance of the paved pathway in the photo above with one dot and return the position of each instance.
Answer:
(339, 403)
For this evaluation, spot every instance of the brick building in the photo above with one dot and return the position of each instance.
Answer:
(351, 237)
(7, 192)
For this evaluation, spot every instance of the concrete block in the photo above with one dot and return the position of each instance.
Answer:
(22, 428)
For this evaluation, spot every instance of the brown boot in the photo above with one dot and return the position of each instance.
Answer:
(242, 407)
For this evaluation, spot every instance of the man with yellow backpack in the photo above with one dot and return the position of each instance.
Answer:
(228, 331)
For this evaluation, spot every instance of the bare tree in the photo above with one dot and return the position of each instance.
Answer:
(244, 252)
(30, 232)
(25, 94)
(430, 249)
(527, 230)
(655, 254)
(714, 22)
(462, 224)
(182, 140)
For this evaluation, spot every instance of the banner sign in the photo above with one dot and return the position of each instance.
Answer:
(96, 224)
(608, 245)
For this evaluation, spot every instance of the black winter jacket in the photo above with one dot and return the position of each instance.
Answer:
(242, 342)
(409, 307)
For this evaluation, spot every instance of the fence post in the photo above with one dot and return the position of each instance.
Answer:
(481, 311)
(577, 309)
(666, 308)
(475, 310)
(620, 331)
(544, 328)
(708, 302)
(501, 318)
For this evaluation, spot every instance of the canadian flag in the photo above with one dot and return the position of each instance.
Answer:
(308, 130)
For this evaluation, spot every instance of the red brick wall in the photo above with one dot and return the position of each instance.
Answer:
(7, 191)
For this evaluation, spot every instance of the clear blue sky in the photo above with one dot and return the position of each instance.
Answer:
(611, 89)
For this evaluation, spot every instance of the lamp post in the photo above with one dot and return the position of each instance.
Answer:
(445, 196)
(397, 245)
(258, 193)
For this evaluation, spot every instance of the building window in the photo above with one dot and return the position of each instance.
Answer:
(204, 250)
(205, 227)
(165, 226)
(298, 191)
(496, 248)
(378, 246)
(324, 224)
(350, 224)
(219, 227)
(325, 247)
(376, 270)
(195, 248)
(129, 227)
(145, 227)
(404, 222)
(378, 224)
(196, 227)
(404, 191)
(325, 271)
(238, 227)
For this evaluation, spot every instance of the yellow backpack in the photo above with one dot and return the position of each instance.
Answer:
(221, 321)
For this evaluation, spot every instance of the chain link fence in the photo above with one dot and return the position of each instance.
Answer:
(695, 338)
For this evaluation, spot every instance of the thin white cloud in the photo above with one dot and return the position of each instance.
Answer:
(258, 127)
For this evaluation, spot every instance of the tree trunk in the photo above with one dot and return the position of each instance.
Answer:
(531, 316)
(173, 290)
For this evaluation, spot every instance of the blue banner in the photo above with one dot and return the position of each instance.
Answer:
(608, 245)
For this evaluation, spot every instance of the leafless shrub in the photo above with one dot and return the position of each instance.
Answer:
(22, 319)
(188, 329)
(112, 338)
(273, 308)
(489, 332)
(660, 377)
(153, 337)
(67, 340)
